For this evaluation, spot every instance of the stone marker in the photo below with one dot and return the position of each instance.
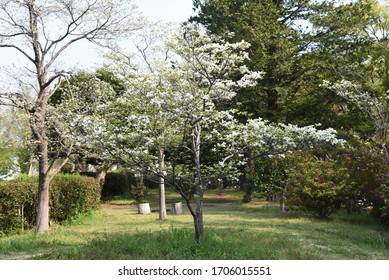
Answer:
(144, 208)
(177, 208)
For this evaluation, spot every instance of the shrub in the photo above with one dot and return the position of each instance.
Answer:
(318, 186)
(116, 183)
(371, 176)
(88, 173)
(382, 197)
(138, 189)
(69, 196)
(18, 205)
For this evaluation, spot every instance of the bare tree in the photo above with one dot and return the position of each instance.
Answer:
(41, 31)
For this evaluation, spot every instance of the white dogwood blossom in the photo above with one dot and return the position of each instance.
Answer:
(373, 105)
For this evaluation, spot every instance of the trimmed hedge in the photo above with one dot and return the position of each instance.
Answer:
(69, 195)
(18, 205)
(122, 181)
(116, 183)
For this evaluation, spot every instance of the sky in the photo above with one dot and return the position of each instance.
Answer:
(153, 10)
(166, 10)
(86, 56)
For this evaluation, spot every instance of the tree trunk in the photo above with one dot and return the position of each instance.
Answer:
(198, 218)
(162, 200)
(248, 184)
(42, 219)
(100, 176)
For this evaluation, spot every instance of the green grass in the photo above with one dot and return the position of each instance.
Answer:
(232, 231)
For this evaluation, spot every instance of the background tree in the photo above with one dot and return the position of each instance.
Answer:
(368, 91)
(25, 28)
(82, 94)
(17, 150)
(308, 42)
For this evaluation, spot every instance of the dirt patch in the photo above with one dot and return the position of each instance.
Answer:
(220, 197)
(25, 255)
(117, 206)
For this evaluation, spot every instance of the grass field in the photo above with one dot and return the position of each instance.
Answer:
(232, 231)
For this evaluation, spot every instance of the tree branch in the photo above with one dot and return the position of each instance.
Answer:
(19, 49)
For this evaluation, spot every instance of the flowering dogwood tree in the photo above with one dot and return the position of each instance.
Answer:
(169, 115)
(171, 121)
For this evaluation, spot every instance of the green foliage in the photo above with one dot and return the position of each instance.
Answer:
(18, 204)
(69, 196)
(317, 186)
(116, 183)
(139, 190)
(370, 174)
(296, 58)
(270, 175)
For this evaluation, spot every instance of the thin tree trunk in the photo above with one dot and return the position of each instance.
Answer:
(249, 176)
(162, 200)
(198, 218)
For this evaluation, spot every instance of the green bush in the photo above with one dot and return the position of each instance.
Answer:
(139, 190)
(382, 199)
(69, 195)
(116, 183)
(371, 176)
(18, 205)
(318, 186)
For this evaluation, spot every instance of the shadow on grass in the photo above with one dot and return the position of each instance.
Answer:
(174, 244)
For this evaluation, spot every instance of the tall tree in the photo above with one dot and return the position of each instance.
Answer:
(297, 44)
(41, 32)
(267, 26)
(369, 90)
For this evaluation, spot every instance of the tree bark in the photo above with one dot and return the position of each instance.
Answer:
(198, 218)
(100, 176)
(42, 219)
(162, 200)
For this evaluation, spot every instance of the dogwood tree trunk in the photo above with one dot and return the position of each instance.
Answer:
(198, 218)
(162, 200)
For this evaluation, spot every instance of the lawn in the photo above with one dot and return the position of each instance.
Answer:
(257, 230)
